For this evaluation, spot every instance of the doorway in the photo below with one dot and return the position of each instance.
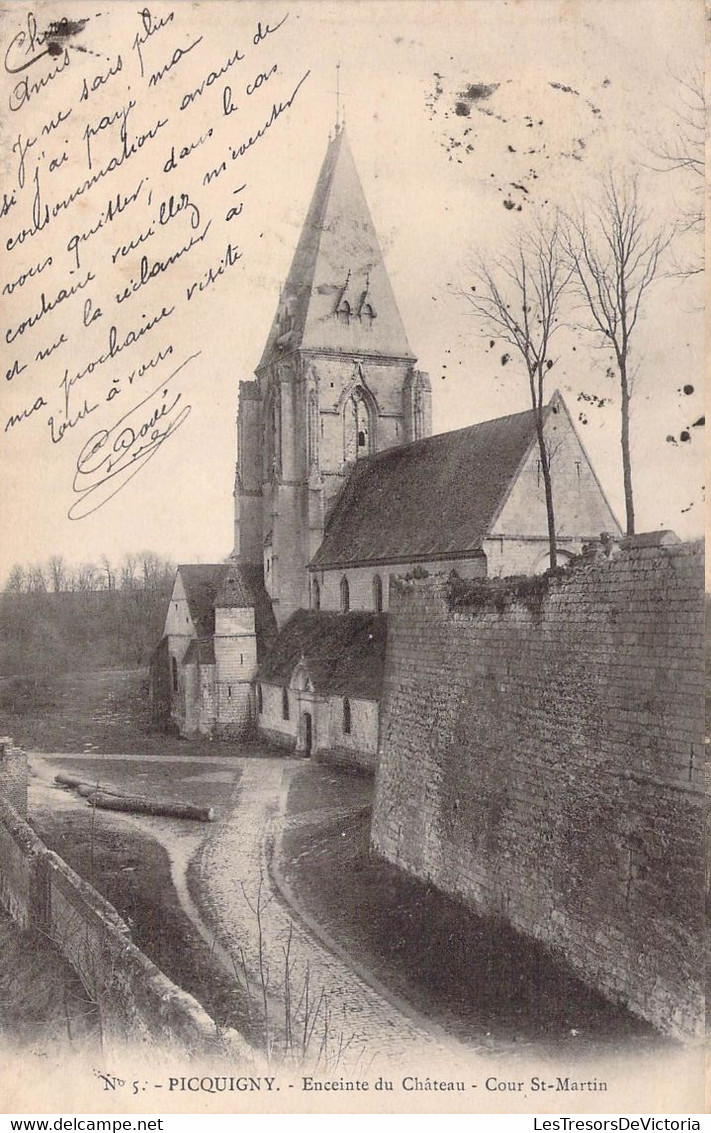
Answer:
(308, 734)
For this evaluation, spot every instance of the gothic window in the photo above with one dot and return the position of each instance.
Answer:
(285, 704)
(175, 674)
(346, 716)
(344, 312)
(345, 596)
(367, 315)
(260, 700)
(377, 594)
(356, 427)
(312, 428)
(315, 595)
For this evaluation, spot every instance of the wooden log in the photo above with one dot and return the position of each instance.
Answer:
(132, 805)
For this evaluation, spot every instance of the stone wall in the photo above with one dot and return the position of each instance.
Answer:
(542, 760)
(137, 1002)
(13, 775)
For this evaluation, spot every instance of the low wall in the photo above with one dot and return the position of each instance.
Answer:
(542, 759)
(13, 775)
(137, 1002)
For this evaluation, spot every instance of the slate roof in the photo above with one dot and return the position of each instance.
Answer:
(345, 653)
(228, 584)
(202, 652)
(202, 582)
(435, 497)
(338, 257)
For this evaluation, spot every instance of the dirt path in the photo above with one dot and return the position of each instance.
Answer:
(247, 914)
(251, 919)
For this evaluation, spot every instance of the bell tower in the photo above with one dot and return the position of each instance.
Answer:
(336, 383)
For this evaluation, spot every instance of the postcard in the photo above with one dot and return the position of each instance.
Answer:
(352, 466)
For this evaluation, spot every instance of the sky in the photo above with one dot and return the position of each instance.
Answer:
(457, 114)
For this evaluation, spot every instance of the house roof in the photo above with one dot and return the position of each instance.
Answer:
(337, 260)
(243, 585)
(200, 651)
(435, 497)
(230, 584)
(201, 582)
(344, 653)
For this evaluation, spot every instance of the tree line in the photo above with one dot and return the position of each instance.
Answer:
(141, 571)
(56, 617)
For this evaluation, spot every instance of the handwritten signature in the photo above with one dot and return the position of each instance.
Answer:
(112, 457)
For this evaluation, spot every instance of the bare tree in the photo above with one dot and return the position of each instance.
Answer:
(85, 577)
(36, 580)
(615, 250)
(108, 570)
(57, 573)
(517, 303)
(685, 153)
(17, 580)
(128, 571)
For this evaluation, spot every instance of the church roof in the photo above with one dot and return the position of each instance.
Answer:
(338, 261)
(201, 582)
(344, 653)
(433, 498)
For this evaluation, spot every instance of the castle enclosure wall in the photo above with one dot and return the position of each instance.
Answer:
(137, 1002)
(542, 761)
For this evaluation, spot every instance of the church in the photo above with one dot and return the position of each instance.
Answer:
(341, 485)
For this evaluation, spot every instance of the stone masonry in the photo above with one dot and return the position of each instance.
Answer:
(13, 775)
(542, 760)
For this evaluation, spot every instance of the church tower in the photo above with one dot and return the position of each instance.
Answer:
(336, 383)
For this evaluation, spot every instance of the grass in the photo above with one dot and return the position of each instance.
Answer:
(321, 786)
(42, 1002)
(133, 872)
(106, 710)
(192, 782)
(475, 977)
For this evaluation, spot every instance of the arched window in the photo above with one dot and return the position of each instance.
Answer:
(344, 312)
(175, 674)
(285, 703)
(260, 700)
(356, 426)
(367, 316)
(345, 596)
(346, 716)
(377, 594)
(315, 595)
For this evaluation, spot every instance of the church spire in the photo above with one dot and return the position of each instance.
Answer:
(337, 262)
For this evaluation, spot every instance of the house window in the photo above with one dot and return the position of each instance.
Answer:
(285, 704)
(315, 595)
(260, 700)
(229, 692)
(377, 594)
(346, 716)
(175, 674)
(345, 596)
